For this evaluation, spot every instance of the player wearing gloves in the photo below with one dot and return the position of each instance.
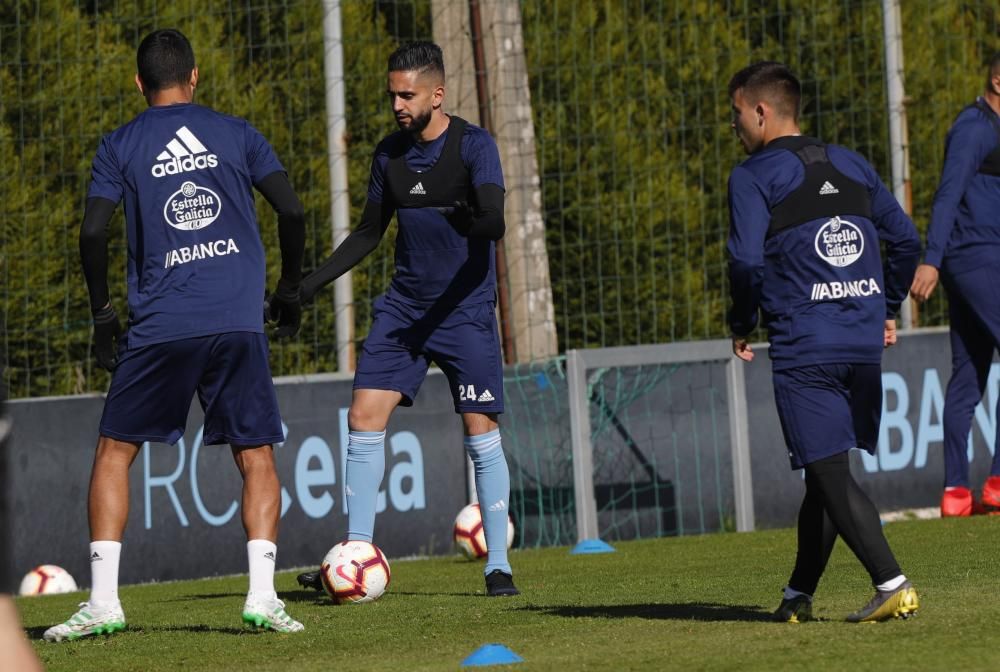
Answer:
(195, 295)
(442, 179)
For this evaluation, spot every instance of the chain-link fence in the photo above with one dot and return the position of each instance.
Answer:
(631, 129)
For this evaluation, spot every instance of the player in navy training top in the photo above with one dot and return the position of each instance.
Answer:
(963, 244)
(441, 177)
(807, 221)
(195, 295)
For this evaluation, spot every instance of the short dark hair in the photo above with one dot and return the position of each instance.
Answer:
(772, 82)
(420, 56)
(164, 59)
(994, 66)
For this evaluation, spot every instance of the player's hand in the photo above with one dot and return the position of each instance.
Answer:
(742, 349)
(890, 332)
(924, 282)
(459, 215)
(284, 308)
(107, 330)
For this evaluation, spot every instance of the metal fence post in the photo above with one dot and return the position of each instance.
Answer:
(583, 457)
(739, 437)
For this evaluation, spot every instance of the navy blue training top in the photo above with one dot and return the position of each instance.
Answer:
(429, 251)
(195, 258)
(820, 286)
(964, 231)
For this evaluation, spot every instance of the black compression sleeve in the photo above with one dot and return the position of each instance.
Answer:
(94, 249)
(278, 192)
(359, 244)
(487, 217)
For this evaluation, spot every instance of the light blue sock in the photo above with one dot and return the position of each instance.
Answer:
(365, 467)
(493, 488)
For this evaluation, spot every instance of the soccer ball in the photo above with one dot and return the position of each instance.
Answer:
(470, 538)
(47, 580)
(354, 572)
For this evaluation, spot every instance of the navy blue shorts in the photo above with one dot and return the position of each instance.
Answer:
(462, 340)
(827, 409)
(152, 387)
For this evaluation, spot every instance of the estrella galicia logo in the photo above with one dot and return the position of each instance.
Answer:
(839, 242)
(192, 207)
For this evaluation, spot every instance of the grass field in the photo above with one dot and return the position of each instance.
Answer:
(691, 603)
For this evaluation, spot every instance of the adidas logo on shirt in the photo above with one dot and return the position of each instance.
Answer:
(486, 396)
(828, 189)
(418, 188)
(183, 154)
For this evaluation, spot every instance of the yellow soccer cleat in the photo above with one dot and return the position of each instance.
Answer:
(900, 603)
(795, 610)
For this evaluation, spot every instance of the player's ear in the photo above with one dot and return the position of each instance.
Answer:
(138, 84)
(438, 96)
(194, 78)
(762, 113)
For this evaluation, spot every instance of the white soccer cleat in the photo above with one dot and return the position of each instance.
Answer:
(269, 613)
(89, 620)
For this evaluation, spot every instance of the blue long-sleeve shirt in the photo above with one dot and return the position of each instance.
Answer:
(821, 286)
(964, 231)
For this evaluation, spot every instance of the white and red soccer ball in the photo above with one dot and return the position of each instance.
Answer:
(354, 572)
(47, 580)
(468, 533)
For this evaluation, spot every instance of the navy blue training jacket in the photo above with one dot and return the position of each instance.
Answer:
(820, 286)
(964, 231)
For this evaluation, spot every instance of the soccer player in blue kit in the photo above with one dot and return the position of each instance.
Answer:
(196, 277)
(807, 221)
(441, 177)
(963, 247)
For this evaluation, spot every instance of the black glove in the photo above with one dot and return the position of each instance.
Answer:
(107, 329)
(459, 215)
(284, 307)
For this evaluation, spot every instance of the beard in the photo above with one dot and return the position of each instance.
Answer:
(417, 123)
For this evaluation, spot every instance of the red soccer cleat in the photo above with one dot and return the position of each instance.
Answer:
(991, 495)
(956, 502)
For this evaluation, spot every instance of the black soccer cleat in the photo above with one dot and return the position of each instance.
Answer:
(310, 580)
(499, 584)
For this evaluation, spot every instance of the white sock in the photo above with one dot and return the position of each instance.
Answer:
(261, 554)
(891, 584)
(791, 593)
(104, 557)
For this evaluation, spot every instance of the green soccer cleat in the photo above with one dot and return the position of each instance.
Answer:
(269, 613)
(795, 610)
(89, 620)
(900, 603)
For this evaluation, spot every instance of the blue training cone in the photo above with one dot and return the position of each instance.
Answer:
(592, 546)
(492, 654)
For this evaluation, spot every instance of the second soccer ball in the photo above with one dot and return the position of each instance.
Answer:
(47, 580)
(470, 538)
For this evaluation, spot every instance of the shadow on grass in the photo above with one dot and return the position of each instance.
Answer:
(37, 632)
(690, 611)
(437, 593)
(206, 629)
(205, 596)
(315, 597)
